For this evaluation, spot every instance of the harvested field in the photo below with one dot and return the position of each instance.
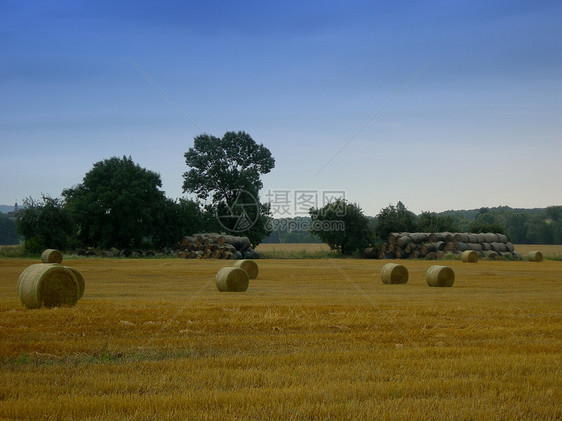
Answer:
(309, 339)
(545, 249)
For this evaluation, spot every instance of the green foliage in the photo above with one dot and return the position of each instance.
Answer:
(539, 230)
(8, 231)
(342, 226)
(118, 204)
(395, 219)
(222, 166)
(44, 224)
(431, 222)
(177, 219)
(227, 170)
(292, 230)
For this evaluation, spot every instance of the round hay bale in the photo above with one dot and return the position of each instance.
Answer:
(393, 273)
(48, 284)
(51, 256)
(535, 256)
(474, 246)
(460, 246)
(481, 238)
(431, 256)
(79, 280)
(498, 247)
(472, 238)
(232, 279)
(491, 237)
(419, 237)
(440, 276)
(510, 247)
(469, 256)
(403, 241)
(238, 255)
(460, 237)
(502, 238)
(249, 266)
(491, 255)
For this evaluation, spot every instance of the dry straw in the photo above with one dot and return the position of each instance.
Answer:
(469, 256)
(440, 276)
(249, 266)
(48, 284)
(51, 256)
(393, 273)
(80, 280)
(232, 279)
(535, 256)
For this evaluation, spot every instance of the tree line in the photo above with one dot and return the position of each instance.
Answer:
(522, 226)
(120, 204)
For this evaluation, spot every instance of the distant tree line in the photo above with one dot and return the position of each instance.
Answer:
(522, 226)
(120, 204)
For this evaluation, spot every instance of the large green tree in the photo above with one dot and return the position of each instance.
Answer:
(118, 204)
(342, 226)
(227, 171)
(395, 219)
(44, 223)
(431, 222)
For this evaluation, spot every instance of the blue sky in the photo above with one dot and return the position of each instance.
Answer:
(479, 126)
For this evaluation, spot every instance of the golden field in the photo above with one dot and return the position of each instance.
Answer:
(310, 339)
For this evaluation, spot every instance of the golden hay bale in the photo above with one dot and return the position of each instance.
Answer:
(80, 280)
(440, 276)
(249, 266)
(393, 273)
(51, 256)
(469, 256)
(232, 279)
(535, 256)
(48, 284)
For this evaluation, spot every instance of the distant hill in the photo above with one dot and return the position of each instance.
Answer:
(471, 214)
(6, 208)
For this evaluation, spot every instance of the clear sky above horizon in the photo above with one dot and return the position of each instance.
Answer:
(480, 124)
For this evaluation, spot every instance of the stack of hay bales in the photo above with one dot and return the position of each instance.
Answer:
(406, 245)
(49, 283)
(216, 246)
(236, 278)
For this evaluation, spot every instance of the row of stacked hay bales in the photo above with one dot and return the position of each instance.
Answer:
(216, 246)
(407, 245)
(196, 246)
(50, 284)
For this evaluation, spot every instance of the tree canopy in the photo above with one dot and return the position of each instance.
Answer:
(395, 219)
(220, 167)
(342, 226)
(227, 171)
(44, 224)
(117, 204)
